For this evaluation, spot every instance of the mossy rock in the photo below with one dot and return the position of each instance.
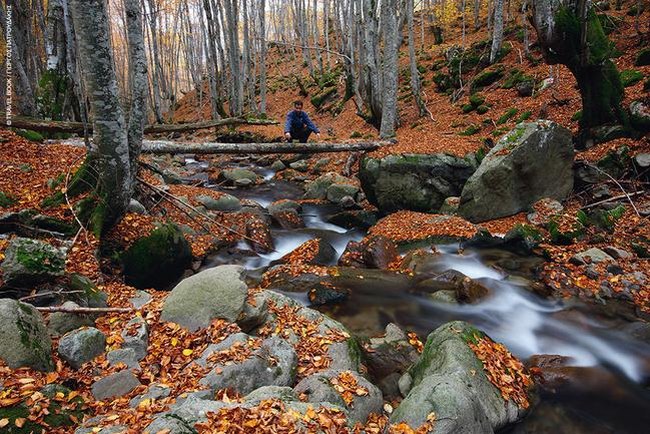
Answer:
(319, 100)
(577, 116)
(157, 260)
(524, 116)
(467, 108)
(476, 99)
(630, 77)
(29, 262)
(487, 78)
(24, 341)
(482, 109)
(516, 77)
(642, 58)
(5, 200)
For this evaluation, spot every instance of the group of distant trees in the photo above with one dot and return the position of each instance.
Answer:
(122, 64)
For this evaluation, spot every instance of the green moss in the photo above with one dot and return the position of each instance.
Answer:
(30, 135)
(524, 116)
(319, 99)
(507, 116)
(482, 109)
(471, 130)
(577, 116)
(158, 259)
(82, 181)
(630, 77)
(476, 99)
(516, 76)
(5, 200)
(486, 78)
(356, 135)
(467, 108)
(40, 260)
(646, 85)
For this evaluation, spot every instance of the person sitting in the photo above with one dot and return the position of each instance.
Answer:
(298, 125)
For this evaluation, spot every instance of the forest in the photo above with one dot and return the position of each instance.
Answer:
(324, 216)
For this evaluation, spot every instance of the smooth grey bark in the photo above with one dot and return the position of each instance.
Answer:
(234, 55)
(497, 31)
(138, 80)
(389, 69)
(155, 61)
(167, 147)
(416, 86)
(109, 155)
(262, 41)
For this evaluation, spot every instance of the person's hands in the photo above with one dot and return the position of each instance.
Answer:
(288, 136)
(318, 135)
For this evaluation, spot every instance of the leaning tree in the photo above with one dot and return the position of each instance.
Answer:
(111, 162)
(570, 33)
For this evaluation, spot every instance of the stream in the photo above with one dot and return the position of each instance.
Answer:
(606, 384)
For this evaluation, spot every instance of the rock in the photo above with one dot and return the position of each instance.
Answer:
(354, 219)
(237, 175)
(89, 295)
(418, 182)
(300, 165)
(140, 299)
(317, 189)
(467, 290)
(371, 252)
(217, 292)
(336, 192)
(123, 355)
(136, 337)
(285, 394)
(24, 341)
(531, 162)
(323, 254)
(136, 207)
(388, 358)
(642, 160)
(225, 203)
(284, 205)
(115, 385)
(450, 205)
(182, 416)
(320, 387)
(278, 165)
(82, 345)
(444, 296)
(617, 253)
(60, 323)
(272, 364)
(593, 255)
(157, 260)
(449, 380)
(258, 229)
(29, 262)
(525, 88)
(115, 429)
(320, 164)
(154, 392)
(543, 210)
(640, 115)
(288, 219)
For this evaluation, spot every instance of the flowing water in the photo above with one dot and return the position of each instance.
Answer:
(607, 388)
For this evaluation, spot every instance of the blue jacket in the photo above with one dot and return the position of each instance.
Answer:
(297, 120)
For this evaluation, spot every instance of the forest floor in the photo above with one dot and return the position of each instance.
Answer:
(29, 169)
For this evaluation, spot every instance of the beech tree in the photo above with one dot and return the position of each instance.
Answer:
(570, 33)
(110, 164)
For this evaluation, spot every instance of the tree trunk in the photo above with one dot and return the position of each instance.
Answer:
(108, 158)
(415, 73)
(262, 18)
(167, 147)
(389, 69)
(138, 80)
(563, 28)
(497, 31)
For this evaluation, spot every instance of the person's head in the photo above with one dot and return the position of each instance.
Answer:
(297, 105)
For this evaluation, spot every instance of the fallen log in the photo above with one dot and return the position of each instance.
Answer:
(78, 127)
(84, 310)
(167, 147)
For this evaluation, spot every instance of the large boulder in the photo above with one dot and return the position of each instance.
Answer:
(531, 162)
(417, 182)
(24, 340)
(317, 189)
(271, 362)
(346, 389)
(157, 260)
(450, 381)
(28, 262)
(218, 292)
(81, 346)
(115, 385)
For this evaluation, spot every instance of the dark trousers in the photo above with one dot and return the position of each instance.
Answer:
(300, 135)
